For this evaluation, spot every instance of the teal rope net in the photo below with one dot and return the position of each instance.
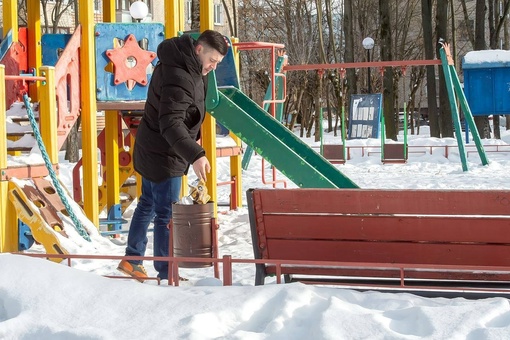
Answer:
(56, 183)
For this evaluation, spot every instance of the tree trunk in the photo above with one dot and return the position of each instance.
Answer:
(469, 29)
(72, 143)
(330, 115)
(482, 122)
(386, 55)
(445, 114)
(349, 47)
(231, 18)
(497, 21)
(429, 43)
(318, 109)
(195, 15)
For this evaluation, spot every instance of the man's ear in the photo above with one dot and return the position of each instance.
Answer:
(198, 49)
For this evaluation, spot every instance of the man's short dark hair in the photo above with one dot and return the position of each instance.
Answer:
(213, 39)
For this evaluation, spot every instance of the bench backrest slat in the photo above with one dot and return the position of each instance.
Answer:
(363, 201)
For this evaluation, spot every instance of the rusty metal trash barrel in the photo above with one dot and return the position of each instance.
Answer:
(193, 233)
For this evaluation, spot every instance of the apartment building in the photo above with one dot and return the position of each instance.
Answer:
(68, 16)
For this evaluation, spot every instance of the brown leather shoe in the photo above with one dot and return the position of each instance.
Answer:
(134, 270)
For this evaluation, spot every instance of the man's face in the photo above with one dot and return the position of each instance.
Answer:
(209, 57)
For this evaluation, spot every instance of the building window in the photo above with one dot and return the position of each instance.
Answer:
(123, 5)
(97, 6)
(188, 12)
(218, 14)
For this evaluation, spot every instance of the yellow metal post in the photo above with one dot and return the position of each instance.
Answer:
(174, 17)
(88, 113)
(112, 180)
(10, 16)
(209, 126)
(48, 113)
(236, 161)
(34, 43)
(109, 11)
(206, 15)
(8, 221)
(112, 158)
(182, 15)
(4, 185)
(174, 22)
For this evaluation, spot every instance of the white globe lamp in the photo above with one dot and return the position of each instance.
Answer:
(138, 10)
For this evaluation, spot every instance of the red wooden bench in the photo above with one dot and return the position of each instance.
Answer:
(388, 238)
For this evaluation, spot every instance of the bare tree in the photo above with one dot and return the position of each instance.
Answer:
(497, 19)
(482, 122)
(429, 42)
(445, 117)
(386, 54)
(348, 25)
(53, 13)
(231, 17)
(195, 14)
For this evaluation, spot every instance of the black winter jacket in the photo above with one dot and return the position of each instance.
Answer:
(165, 143)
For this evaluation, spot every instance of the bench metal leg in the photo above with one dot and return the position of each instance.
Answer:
(260, 274)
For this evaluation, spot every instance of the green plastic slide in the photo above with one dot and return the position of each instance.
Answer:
(270, 139)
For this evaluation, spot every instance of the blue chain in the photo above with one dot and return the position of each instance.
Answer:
(53, 175)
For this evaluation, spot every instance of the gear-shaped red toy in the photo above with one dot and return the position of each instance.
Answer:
(130, 62)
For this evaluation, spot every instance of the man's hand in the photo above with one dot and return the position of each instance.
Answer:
(202, 167)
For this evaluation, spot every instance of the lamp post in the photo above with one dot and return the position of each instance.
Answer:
(368, 44)
(138, 10)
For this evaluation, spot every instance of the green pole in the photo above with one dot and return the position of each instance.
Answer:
(469, 117)
(453, 107)
(383, 134)
(405, 127)
(343, 132)
(321, 131)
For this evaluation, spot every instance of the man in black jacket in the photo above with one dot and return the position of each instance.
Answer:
(166, 144)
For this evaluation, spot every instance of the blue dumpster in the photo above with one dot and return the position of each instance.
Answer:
(487, 81)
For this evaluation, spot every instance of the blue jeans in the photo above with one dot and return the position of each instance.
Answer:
(155, 202)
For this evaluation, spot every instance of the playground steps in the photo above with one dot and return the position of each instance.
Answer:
(37, 205)
(19, 132)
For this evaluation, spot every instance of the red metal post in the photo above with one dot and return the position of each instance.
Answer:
(171, 277)
(227, 270)
(215, 250)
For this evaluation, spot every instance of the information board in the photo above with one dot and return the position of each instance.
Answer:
(364, 116)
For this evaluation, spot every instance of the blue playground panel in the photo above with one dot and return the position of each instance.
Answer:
(106, 89)
(5, 44)
(226, 74)
(487, 84)
(52, 45)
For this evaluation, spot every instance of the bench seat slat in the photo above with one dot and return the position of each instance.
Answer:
(388, 228)
(389, 273)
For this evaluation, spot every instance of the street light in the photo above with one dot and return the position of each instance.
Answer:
(368, 44)
(138, 10)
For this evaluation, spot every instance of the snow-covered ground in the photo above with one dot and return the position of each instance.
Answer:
(40, 299)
